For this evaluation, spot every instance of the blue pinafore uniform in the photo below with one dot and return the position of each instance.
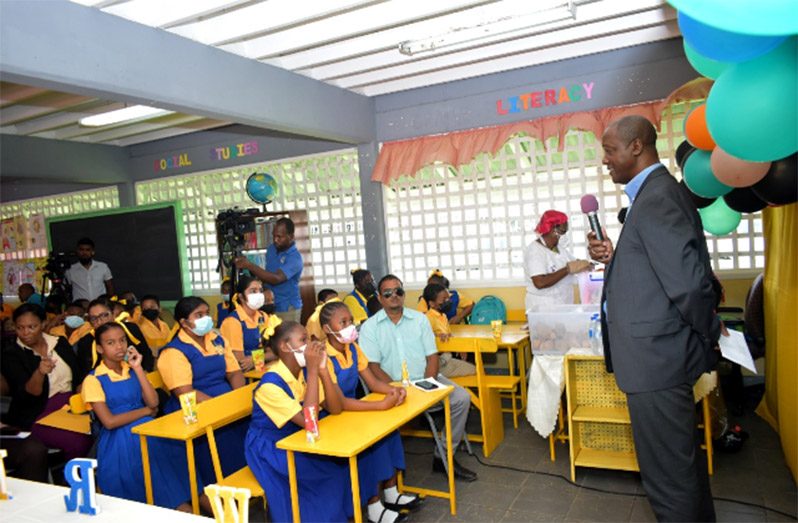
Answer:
(209, 375)
(324, 484)
(251, 335)
(120, 472)
(380, 461)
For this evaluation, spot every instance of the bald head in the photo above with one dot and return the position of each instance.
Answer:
(636, 128)
(630, 145)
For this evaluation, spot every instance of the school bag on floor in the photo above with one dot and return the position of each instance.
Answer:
(487, 309)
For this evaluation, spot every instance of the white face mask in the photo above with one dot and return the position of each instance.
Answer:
(299, 354)
(256, 300)
(346, 335)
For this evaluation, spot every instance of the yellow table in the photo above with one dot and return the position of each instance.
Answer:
(339, 439)
(515, 340)
(65, 420)
(212, 414)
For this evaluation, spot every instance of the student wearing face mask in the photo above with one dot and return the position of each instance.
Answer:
(357, 300)
(247, 328)
(155, 331)
(378, 466)
(438, 302)
(548, 263)
(299, 379)
(74, 326)
(197, 359)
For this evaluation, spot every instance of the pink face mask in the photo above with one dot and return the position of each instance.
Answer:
(346, 335)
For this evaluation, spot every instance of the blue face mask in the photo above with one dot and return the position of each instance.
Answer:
(202, 326)
(73, 322)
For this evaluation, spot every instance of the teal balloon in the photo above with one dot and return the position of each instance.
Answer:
(706, 66)
(752, 109)
(763, 17)
(261, 188)
(699, 178)
(719, 218)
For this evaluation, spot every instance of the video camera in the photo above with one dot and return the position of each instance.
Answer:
(232, 225)
(55, 270)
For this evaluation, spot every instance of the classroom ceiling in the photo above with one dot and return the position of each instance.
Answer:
(352, 44)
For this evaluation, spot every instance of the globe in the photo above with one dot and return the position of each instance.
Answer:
(261, 187)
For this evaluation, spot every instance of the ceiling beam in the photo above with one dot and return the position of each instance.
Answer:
(68, 47)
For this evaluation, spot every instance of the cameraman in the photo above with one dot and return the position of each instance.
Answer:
(283, 270)
(89, 278)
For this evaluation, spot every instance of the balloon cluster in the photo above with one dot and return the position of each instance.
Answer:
(741, 152)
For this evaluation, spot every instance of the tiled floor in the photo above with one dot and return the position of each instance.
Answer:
(757, 474)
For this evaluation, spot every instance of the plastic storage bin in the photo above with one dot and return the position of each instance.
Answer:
(557, 329)
(590, 285)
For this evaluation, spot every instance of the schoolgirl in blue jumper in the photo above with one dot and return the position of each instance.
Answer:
(379, 465)
(121, 397)
(300, 378)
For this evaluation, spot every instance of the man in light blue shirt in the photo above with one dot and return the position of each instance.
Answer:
(396, 335)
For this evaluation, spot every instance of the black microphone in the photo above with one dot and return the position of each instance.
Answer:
(589, 206)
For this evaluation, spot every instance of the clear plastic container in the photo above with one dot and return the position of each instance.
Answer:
(590, 285)
(559, 328)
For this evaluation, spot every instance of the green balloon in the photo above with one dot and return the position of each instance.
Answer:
(706, 66)
(719, 218)
(752, 110)
(699, 177)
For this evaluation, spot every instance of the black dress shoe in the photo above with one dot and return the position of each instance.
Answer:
(411, 503)
(460, 472)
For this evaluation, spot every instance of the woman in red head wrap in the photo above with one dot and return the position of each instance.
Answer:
(548, 263)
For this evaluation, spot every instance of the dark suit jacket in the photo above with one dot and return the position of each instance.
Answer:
(660, 328)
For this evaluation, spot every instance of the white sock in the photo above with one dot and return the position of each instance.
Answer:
(375, 511)
(391, 494)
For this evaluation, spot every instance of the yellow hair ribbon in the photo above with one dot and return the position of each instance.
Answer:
(436, 272)
(226, 279)
(118, 300)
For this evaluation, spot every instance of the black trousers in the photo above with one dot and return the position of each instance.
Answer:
(672, 464)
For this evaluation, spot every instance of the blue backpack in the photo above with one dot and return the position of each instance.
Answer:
(487, 309)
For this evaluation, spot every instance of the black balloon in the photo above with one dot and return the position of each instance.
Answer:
(744, 200)
(699, 201)
(780, 184)
(682, 152)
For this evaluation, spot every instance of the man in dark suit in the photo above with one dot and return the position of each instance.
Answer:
(659, 326)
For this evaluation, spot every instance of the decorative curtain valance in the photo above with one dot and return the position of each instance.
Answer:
(406, 157)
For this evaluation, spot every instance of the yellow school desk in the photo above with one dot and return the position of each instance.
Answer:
(65, 420)
(515, 340)
(212, 414)
(338, 439)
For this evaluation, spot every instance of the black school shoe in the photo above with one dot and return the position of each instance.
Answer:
(410, 506)
(460, 472)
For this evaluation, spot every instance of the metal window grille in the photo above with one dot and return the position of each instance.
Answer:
(474, 222)
(327, 186)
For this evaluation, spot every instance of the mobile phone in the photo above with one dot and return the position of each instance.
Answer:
(426, 385)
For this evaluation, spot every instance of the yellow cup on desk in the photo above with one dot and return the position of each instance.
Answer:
(496, 325)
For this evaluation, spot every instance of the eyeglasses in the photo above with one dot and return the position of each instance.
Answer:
(99, 317)
(387, 293)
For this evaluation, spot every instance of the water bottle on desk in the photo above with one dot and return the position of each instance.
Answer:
(594, 334)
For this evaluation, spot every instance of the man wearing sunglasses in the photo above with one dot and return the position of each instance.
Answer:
(397, 335)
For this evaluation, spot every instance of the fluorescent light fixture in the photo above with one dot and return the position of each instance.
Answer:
(134, 112)
(500, 26)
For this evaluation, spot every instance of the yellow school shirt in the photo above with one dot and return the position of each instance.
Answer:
(313, 325)
(58, 330)
(359, 313)
(92, 390)
(439, 322)
(157, 334)
(276, 403)
(462, 304)
(231, 327)
(78, 333)
(345, 360)
(176, 370)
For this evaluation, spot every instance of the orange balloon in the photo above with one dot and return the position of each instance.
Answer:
(696, 131)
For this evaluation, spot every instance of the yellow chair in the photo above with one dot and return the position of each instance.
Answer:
(230, 505)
